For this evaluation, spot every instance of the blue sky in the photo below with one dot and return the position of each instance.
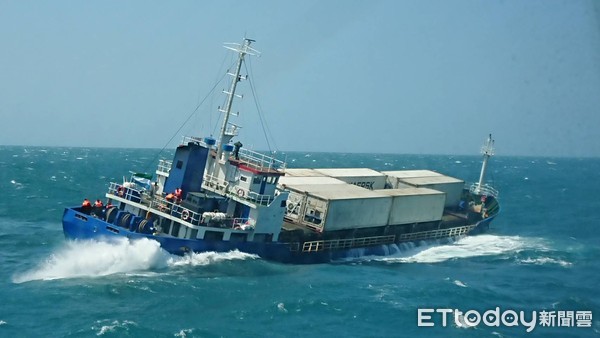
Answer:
(429, 77)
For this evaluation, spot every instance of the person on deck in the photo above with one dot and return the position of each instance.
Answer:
(86, 206)
(178, 195)
(97, 209)
(170, 197)
(236, 149)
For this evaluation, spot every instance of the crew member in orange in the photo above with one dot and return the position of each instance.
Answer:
(97, 210)
(86, 206)
(178, 194)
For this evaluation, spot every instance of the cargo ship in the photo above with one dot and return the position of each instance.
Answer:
(216, 195)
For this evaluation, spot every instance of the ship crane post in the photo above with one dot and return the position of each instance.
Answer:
(487, 150)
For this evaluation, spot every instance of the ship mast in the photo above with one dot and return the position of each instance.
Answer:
(225, 134)
(488, 151)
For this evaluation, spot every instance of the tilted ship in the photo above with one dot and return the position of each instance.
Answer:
(216, 195)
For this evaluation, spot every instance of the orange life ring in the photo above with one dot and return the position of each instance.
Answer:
(185, 215)
(241, 192)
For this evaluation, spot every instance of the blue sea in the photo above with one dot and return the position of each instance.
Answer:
(542, 254)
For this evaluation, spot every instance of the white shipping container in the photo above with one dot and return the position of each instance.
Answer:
(307, 180)
(411, 173)
(393, 177)
(342, 206)
(354, 207)
(453, 187)
(303, 206)
(357, 213)
(302, 172)
(414, 205)
(361, 177)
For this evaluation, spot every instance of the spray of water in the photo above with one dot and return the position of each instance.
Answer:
(94, 259)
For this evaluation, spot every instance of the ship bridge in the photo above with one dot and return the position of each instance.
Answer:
(251, 177)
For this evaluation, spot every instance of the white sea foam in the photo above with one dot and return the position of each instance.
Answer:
(281, 308)
(113, 326)
(459, 283)
(545, 260)
(16, 184)
(206, 258)
(471, 246)
(184, 332)
(2, 322)
(94, 259)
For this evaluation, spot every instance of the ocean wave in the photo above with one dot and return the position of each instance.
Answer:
(94, 259)
(466, 247)
(112, 327)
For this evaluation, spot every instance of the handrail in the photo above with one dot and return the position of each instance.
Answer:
(161, 204)
(260, 161)
(213, 183)
(164, 166)
(252, 196)
(485, 189)
(174, 209)
(346, 243)
(128, 193)
(194, 139)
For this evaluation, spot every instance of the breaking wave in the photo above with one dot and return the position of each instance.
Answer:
(95, 259)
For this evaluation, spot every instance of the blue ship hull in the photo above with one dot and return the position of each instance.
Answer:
(80, 226)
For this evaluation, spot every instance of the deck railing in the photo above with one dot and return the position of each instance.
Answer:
(260, 161)
(217, 185)
(485, 189)
(172, 208)
(164, 166)
(436, 234)
(348, 243)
